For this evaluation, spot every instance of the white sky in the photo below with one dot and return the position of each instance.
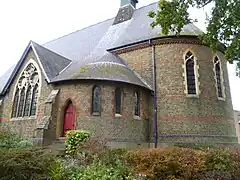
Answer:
(44, 20)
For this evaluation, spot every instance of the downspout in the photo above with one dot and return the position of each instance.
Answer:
(154, 94)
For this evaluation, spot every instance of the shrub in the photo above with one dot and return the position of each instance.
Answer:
(28, 163)
(24, 144)
(74, 139)
(7, 138)
(98, 170)
(169, 163)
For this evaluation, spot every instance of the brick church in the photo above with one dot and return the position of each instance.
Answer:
(123, 82)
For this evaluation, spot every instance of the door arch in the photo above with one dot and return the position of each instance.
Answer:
(69, 120)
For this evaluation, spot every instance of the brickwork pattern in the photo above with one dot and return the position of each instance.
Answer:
(204, 118)
(106, 125)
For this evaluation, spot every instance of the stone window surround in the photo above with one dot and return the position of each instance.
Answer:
(121, 105)
(114, 103)
(35, 64)
(100, 100)
(137, 102)
(196, 72)
(221, 77)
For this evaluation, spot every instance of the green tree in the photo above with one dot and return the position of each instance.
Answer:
(223, 24)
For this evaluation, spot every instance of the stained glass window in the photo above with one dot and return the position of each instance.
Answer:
(21, 103)
(15, 103)
(34, 101)
(218, 77)
(137, 104)
(96, 100)
(25, 98)
(27, 101)
(190, 73)
(118, 100)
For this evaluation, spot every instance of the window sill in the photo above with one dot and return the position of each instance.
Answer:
(221, 99)
(192, 96)
(23, 118)
(137, 117)
(118, 115)
(95, 114)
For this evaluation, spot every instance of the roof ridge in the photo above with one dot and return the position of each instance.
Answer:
(50, 51)
(77, 31)
(148, 5)
(93, 25)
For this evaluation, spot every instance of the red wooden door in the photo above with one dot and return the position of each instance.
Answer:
(69, 119)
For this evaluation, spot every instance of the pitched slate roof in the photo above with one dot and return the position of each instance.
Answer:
(87, 50)
(51, 63)
(4, 78)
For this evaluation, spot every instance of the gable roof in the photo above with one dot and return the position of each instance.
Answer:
(67, 57)
(50, 63)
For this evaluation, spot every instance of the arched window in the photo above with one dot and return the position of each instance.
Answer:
(96, 100)
(118, 100)
(34, 101)
(28, 102)
(21, 103)
(218, 77)
(190, 73)
(15, 103)
(26, 94)
(137, 104)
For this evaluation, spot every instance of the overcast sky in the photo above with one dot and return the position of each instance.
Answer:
(44, 20)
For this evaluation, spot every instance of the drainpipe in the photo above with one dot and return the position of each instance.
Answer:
(154, 94)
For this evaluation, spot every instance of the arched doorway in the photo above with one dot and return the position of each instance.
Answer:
(69, 122)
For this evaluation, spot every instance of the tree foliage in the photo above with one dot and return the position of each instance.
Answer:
(223, 25)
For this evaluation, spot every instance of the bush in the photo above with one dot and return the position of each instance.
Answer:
(74, 139)
(24, 144)
(99, 170)
(7, 138)
(167, 163)
(28, 163)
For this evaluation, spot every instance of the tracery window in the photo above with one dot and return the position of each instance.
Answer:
(218, 77)
(26, 94)
(137, 104)
(190, 73)
(96, 100)
(118, 100)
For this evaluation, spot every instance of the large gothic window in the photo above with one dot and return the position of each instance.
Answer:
(137, 104)
(96, 100)
(190, 73)
(26, 94)
(118, 100)
(218, 77)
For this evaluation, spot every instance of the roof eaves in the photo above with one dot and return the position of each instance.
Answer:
(101, 79)
(150, 39)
